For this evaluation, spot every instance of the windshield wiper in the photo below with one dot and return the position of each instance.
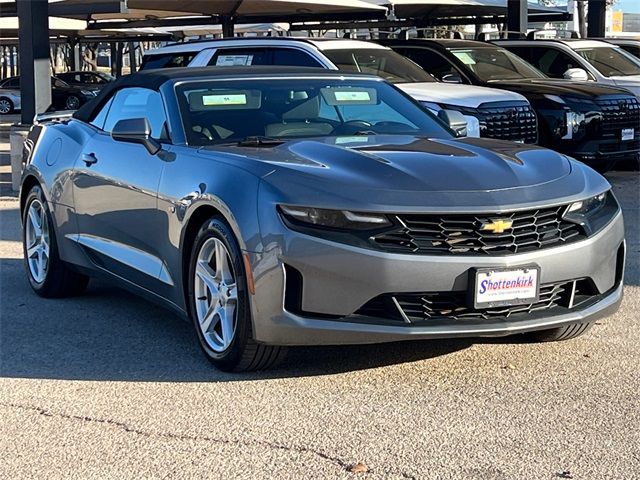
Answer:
(260, 141)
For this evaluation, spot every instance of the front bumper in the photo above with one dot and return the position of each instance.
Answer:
(339, 279)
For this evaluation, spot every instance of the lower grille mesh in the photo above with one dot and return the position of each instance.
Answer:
(420, 307)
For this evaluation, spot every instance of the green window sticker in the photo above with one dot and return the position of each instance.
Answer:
(355, 96)
(465, 57)
(229, 99)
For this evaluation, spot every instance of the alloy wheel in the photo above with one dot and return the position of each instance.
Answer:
(73, 103)
(38, 241)
(5, 106)
(216, 294)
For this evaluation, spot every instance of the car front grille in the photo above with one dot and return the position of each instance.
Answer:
(632, 146)
(425, 307)
(514, 121)
(619, 113)
(472, 234)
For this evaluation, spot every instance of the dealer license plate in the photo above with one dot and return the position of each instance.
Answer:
(627, 134)
(494, 287)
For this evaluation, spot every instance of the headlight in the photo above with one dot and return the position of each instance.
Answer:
(592, 213)
(573, 121)
(333, 219)
(473, 126)
(434, 107)
(588, 206)
(89, 93)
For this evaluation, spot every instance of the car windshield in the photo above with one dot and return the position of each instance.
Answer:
(215, 112)
(384, 63)
(496, 64)
(106, 76)
(611, 61)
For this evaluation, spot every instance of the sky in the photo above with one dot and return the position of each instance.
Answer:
(627, 6)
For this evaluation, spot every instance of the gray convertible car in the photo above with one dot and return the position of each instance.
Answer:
(293, 206)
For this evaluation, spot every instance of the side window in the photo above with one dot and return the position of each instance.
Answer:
(89, 78)
(227, 57)
(12, 83)
(138, 103)
(551, 61)
(167, 60)
(98, 120)
(293, 57)
(632, 49)
(432, 62)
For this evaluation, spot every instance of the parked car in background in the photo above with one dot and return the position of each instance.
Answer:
(580, 60)
(358, 56)
(86, 78)
(63, 95)
(577, 118)
(296, 206)
(631, 45)
(9, 95)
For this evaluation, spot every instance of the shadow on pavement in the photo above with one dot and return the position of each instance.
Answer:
(10, 225)
(110, 334)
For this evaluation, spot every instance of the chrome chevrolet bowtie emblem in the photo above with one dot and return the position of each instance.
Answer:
(497, 226)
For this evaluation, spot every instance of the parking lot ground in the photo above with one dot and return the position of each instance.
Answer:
(108, 386)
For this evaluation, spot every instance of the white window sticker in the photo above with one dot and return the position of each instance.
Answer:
(356, 96)
(231, 99)
(234, 60)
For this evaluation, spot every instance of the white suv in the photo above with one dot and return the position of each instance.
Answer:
(580, 60)
(481, 106)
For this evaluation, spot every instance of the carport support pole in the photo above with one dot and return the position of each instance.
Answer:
(35, 66)
(517, 19)
(228, 24)
(596, 16)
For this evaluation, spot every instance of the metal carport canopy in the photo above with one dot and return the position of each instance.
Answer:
(455, 8)
(240, 10)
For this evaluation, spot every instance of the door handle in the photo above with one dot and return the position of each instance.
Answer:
(89, 159)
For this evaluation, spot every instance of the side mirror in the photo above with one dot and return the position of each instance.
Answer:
(455, 120)
(135, 130)
(451, 78)
(576, 74)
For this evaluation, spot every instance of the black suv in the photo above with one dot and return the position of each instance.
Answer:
(593, 123)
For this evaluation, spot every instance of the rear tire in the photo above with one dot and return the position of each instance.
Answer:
(218, 302)
(48, 275)
(561, 333)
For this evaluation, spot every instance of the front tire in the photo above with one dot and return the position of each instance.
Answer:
(48, 275)
(6, 106)
(218, 302)
(72, 103)
(561, 333)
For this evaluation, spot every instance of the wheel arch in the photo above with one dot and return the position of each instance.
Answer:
(28, 183)
(196, 218)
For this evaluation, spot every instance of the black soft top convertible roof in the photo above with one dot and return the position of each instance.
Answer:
(154, 79)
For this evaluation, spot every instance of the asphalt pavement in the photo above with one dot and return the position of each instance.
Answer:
(109, 386)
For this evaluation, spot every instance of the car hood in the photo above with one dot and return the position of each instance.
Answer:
(459, 95)
(558, 87)
(630, 82)
(404, 171)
